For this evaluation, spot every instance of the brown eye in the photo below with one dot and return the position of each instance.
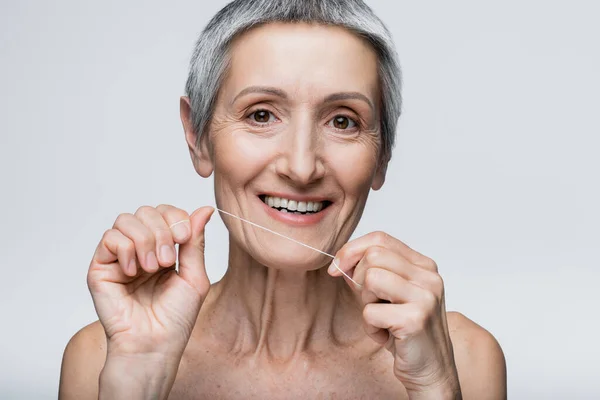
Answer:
(342, 122)
(262, 116)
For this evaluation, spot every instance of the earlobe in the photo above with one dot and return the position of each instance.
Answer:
(379, 178)
(199, 149)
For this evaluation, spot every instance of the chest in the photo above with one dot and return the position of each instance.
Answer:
(207, 378)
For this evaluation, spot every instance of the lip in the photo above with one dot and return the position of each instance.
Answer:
(295, 219)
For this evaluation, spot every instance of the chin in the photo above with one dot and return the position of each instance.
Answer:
(290, 258)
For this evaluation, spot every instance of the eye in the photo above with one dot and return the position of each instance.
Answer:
(342, 122)
(262, 117)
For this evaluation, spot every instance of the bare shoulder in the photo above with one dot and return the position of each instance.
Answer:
(479, 359)
(82, 363)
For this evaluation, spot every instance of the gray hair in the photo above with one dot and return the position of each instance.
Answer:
(210, 58)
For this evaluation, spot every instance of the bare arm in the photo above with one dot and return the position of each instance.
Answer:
(479, 360)
(82, 364)
(87, 372)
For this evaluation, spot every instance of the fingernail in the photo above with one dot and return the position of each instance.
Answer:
(151, 261)
(332, 267)
(131, 267)
(166, 253)
(181, 229)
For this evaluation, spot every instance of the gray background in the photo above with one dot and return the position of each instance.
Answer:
(495, 175)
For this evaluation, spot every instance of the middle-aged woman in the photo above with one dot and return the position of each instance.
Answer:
(292, 106)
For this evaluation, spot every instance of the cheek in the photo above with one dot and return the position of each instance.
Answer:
(238, 155)
(354, 166)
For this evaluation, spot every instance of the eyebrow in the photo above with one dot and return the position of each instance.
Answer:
(261, 89)
(349, 96)
(280, 93)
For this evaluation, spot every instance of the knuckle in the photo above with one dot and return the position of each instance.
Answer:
(430, 264)
(430, 300)
(91, 277)
(145, 240)
(108, 234)
(367, 312)
(164, 207)
(372, 255)
(122, 218)
(380, 237)
(371, 276)
(91, 283)
(144, 210)
(128, 247)
(438, 283)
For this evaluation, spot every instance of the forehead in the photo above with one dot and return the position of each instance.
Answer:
(306, 60)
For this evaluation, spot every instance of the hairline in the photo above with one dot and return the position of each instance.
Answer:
(378, 37)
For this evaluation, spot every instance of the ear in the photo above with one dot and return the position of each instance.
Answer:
(200, 152)
(379, 178)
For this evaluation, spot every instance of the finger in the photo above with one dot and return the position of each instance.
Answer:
(351, 253)
(381, 284)
(379, 335)
(376, 256)
(178, 221)
(398, 319)
(115, 246)
(165, 248)
(191, 254)
(142, 238)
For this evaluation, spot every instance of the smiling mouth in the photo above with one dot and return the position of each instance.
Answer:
(293, 206)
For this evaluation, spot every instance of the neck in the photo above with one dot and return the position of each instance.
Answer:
(281, 314)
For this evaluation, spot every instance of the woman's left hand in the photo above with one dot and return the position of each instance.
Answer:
(403, 298)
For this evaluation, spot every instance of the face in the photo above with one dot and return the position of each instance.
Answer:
(294, 140)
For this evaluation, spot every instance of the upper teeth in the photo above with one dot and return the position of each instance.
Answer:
(293, 205)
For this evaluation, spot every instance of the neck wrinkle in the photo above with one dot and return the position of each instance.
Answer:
(278, 315)
(266, 315)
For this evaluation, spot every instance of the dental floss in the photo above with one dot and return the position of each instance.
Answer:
(285, 237)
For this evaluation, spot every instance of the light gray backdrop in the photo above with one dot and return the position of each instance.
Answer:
(495, 175)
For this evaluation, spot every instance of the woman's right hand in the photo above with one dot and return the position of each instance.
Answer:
(147, 310)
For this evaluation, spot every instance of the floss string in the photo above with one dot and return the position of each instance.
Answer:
(290, 239)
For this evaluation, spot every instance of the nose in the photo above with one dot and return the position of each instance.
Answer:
(300, 160)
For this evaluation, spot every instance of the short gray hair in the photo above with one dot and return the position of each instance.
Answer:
(210, 58)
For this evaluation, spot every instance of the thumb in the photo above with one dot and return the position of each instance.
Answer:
(191, 253)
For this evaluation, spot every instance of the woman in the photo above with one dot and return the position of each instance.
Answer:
(292, 105)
